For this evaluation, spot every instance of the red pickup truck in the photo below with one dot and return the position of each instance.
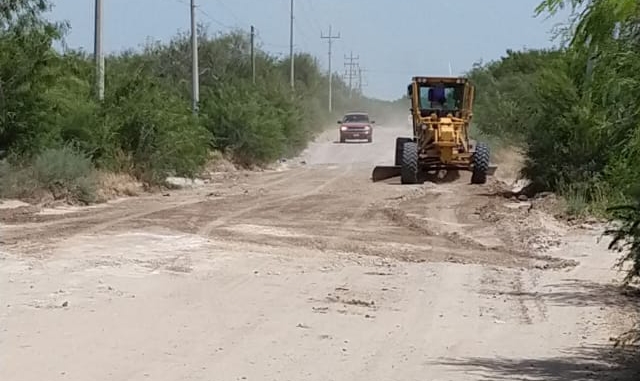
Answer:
(356, 126)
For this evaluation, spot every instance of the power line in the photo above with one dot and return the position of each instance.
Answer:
(223, 5)
(267, 43)
(330, 37)
(303, 38)
(208, 16)
(308, 15)
(219, 23)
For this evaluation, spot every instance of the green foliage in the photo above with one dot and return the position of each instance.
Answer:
(505, 101)
(65, 173)
(245, 124)
(626, 237)
(575, 111)
(26, 61)
(150, 125)
(145, 125)
(596, 22)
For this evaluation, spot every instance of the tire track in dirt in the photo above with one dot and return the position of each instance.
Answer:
(449, 240)
(426, 316)
(363, 206)
(334, 232)
(525, 299)
(443, 214)
(269, 185)
(279, 202)
(518, 291)
(114, 210)
(101, 219)
(524, 313)
(318, 232)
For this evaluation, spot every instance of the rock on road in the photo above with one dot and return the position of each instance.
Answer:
(308, 272)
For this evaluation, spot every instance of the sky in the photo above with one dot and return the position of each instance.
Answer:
(392, 39)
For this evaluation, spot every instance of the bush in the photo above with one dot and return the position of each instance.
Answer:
(244, 124)
(153, 129)
(65, 173)
(145, 126)
(575, 112)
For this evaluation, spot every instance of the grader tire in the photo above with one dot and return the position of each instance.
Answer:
(399, 145)
(481, 159)
(409, 165)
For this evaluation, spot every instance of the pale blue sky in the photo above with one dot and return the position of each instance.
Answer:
(392, 46)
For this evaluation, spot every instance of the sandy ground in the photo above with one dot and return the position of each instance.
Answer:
(309, 272)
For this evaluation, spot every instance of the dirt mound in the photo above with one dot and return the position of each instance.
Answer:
(526, 223)
(521, 226)
(482, 219)
(509, 161)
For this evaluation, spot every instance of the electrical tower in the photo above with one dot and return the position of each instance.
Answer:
(330, 37)
(350, 70)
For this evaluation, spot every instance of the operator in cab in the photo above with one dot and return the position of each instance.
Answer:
(437, 96)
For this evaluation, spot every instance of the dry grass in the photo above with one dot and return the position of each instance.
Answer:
(114, 185)
(218, 162)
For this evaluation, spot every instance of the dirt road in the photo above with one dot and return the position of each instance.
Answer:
(308, 272)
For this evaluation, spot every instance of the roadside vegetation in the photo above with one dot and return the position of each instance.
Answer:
(573, 110)
(55, 135)
(575, 114)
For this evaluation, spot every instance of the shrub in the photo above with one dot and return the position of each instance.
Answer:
(144, 126)
(65, 173)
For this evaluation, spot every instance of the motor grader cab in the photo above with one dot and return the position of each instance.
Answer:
(441, 109)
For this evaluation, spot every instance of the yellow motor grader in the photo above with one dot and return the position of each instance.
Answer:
(441, 108)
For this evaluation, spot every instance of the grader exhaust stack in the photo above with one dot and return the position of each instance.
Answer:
(441, 109)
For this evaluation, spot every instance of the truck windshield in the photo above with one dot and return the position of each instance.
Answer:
(356, 118)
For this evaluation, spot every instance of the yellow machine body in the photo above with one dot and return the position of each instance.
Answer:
(441, 113)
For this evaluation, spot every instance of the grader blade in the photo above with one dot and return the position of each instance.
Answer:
(383, 172)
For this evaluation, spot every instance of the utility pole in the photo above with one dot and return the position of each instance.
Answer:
(253, 55)
(98, 50)
(291, 46)
(195, 75)
(360, 84)
(330, 37)
(350, 73)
